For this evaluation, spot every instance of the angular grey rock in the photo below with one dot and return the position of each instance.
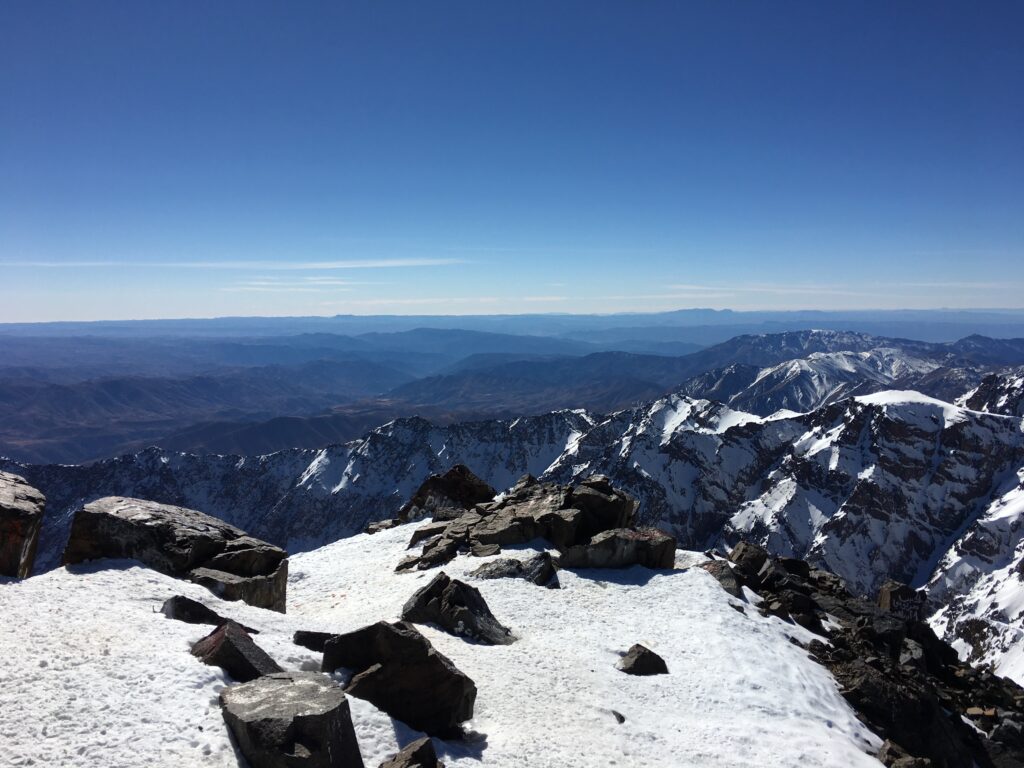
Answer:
(623, 547)
(450, 494)
(400, 672)
(181, 608)
(315, 641)
(382, 525)
(725, 576)
(418, 754)
(291, 719)
(748, 558)
(539, 569)
(183, 543)
(21, 516)
(428, 531)
(640, 660)
(457, 608)
(230, 648)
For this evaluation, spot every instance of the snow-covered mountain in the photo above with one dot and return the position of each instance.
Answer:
(888, 485)
(805, 383)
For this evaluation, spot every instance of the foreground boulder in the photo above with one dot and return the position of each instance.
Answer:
(445, 497)
(183, 543)
(622, 547)
(399, 671)
(230, 648)
(641, 660)
(539, 569)
(457, 608)
(418, 754)
(21, 515)
(181, 608)
(292, 719)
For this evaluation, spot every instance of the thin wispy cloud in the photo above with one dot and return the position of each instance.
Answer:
(274, 266)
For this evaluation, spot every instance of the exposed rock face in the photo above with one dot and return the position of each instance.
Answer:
(640, 660)
(230, 648)
(400, 672)
(539, 569)
(183, 543)
(291, 719)
(418, 754)
(896, 597)
(447, 496)
(382, 525)
(21, 516)
(622, 547)
(457, 608)
(564, 515)
(181, 608)
(904, 682)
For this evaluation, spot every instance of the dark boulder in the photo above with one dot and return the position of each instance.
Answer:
(640, 660)
(418, 754)
(457, 608)
(539, 569)
(291, 719)
(181, 608)
(623, 547)
(382, 525)
(315, 641)
(454, 492)
(183, 543)
(725, 575)
(399, 671)
(230, 648)
(748, 558)
(21, 516)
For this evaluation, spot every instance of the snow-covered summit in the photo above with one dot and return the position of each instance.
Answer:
(128, 692)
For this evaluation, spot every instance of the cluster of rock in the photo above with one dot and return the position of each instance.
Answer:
(183, 543)
(904, 682)
(457, 608)
(591, 524)
(21, 516)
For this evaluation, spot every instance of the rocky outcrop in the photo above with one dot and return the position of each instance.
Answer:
(904, 682)
(539, 569)
(640, 660)
(622, 547)
(399, 671)
(289, 719)
(896, 597)
(230, 648)
(447, 496)
(563, 515)
(21, 516)
(457, 608)
(418, 754)
(184, 543)
(181, 608)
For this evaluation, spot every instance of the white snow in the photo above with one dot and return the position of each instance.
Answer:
(92, 675)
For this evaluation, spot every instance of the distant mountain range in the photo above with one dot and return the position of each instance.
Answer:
(73, 399)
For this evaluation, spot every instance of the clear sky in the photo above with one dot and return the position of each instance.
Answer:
(174, 159)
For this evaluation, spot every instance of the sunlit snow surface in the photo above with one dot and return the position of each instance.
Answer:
(94, 676)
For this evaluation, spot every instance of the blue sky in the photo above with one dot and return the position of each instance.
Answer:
(205, 159)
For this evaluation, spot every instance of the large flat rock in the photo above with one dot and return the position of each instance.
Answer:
(21, 515)
(181, 542)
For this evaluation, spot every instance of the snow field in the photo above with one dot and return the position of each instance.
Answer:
(92, 675)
